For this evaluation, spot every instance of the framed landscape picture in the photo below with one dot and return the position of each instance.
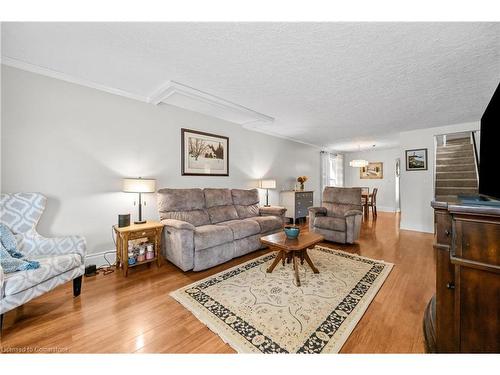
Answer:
(372, 171)
(204, 154)
(416, 160)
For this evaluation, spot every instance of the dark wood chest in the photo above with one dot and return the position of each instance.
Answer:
(464, 314)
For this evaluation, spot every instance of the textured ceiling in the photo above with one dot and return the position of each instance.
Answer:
(335, 85)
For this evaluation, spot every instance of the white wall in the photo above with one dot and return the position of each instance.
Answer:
(417, 187)
(74, 144)
(386, 195)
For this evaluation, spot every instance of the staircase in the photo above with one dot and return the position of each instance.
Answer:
(456, 169)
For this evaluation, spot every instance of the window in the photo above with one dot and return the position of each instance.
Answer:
(332, 170)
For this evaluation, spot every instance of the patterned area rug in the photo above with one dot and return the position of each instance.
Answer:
(259, 312)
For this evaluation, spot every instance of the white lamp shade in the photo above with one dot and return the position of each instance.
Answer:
(358, 163)
(139, 185)
(268, 184)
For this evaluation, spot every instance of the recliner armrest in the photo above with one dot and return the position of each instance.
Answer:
(353, 213)
(178, 224)
(317, 211)
(272, 211)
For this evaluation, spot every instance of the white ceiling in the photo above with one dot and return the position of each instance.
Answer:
(335, 85)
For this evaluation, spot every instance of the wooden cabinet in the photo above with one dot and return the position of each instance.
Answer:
(464, 315)
(296, 203)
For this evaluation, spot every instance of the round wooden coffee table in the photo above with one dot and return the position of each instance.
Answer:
(292, 250)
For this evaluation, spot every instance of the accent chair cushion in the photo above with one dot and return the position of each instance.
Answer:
(50, 266)
(331, 223)
(207, 236)
(268, 223)
(242, 228)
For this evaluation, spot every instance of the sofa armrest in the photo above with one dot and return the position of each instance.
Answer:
(353, 225)
(353, 213)
(272, 211)
(313, 212)
(177, 224)
(178, 243)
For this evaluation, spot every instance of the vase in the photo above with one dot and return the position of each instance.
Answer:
(301, 187)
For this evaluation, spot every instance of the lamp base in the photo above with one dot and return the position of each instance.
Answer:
(267, 205)
(140, 222)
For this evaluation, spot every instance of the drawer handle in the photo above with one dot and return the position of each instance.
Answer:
(450, 285)
(447, 233)
(143, 233)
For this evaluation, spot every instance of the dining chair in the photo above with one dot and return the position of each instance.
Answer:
(372, 202)
(365, 192)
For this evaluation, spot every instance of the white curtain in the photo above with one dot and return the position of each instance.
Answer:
(332, 170)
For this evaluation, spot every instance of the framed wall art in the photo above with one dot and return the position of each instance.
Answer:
(372, 171)
(416, 160)
(204, 154)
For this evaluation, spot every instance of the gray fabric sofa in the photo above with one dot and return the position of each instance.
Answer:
(340, 217)
(207, 227)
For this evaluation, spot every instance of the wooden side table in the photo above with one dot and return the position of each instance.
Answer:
(151, 230)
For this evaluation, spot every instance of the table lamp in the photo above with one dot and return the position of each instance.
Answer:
(267, 184)
(139, 185)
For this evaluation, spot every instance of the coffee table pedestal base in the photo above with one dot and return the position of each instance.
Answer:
(293, 256)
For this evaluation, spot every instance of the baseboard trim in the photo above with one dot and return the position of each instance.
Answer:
(98, 258)
(414, 229)
(385, 209)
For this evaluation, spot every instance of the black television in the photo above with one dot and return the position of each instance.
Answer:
(489, 150)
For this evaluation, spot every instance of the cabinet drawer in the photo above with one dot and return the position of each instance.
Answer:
(303, 205)
(478, 241)
(301, 213)
(306, 196)
(141, 234)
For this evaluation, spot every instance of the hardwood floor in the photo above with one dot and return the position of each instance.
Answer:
(136, 314)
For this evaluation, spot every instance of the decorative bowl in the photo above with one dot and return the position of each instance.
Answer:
(292, 232)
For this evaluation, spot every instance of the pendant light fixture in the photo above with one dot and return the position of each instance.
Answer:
(358, 163)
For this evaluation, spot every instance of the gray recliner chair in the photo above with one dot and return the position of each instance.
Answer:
(339, 220)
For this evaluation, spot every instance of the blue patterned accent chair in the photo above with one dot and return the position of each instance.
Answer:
(61, 258)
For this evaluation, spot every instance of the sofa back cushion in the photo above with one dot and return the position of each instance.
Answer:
(338, 201)
(246, 202)
(219, 203)
(183, 204)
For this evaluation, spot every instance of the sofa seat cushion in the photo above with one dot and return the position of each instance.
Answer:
(330, 222)
(50, 266)
(242, 228)
(268, 223)
(207, 236)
